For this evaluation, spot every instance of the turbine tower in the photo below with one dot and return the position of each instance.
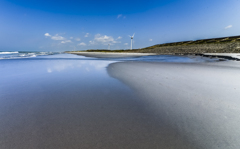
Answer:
(131, 39)
(109, 46)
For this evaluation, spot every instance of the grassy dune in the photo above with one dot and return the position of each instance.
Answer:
(213, 45)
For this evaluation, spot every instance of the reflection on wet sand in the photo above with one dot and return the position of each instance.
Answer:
(75, 104)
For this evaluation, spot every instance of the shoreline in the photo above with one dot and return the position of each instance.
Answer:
(60, 102)
(91, 103)
(228, 56)
(110, 54)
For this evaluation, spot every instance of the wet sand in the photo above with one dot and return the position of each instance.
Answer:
(63, 101)
(201, 101)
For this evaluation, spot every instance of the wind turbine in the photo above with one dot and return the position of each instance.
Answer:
(109, 46)
(131, 39)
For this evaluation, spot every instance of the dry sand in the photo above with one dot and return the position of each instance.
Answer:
(201, 102)
(110, 55)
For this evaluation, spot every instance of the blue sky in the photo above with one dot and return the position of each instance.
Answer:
(62, 25)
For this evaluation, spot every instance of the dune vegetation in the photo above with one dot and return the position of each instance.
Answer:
(213, 45)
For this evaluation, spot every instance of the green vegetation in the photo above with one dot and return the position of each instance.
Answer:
(105, 50)
(213, 45)
(202, 41)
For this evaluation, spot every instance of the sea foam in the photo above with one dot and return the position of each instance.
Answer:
(23, 54)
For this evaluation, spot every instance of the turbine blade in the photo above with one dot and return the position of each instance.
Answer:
(129, 36)
(133, 35)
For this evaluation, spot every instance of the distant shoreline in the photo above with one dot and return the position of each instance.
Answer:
(224, 47)
(228, 56)
(110, 54)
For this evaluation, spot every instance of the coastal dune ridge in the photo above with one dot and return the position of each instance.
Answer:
(223, 47)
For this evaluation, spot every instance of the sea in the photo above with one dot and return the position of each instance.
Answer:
(153, 58)
(23, 54)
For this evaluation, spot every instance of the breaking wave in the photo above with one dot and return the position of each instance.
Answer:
(23, 54)
(8, 52)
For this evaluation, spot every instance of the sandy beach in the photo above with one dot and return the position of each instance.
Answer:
(67, 101)
(110, 55)
(199, 101)
(162, 74)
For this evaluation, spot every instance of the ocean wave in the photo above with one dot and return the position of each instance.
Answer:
(23, 54)
(8, 52)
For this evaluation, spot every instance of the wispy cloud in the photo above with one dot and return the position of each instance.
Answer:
(57, 37)
(229, 26)
(150, 39)
(125, 44)
(119, 16)
(86, 35)
(66, 41)
(82, 44)
(119, 37)
(77, 39)
(105, 40)
(91, 42)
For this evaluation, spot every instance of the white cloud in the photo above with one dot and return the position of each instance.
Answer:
(229, 26)
(57, 37)
(105, 40)
(124, 17)
(87, 35)
(82, 44)
(125, 44)
(77, 39)
(92, 42)
(119, 37)
(47, 35)
(150, 39)
(119, 16)
(66, 41)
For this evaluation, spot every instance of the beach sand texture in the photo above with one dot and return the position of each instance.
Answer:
(58, 102)
(66, 101)
(199, 101)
